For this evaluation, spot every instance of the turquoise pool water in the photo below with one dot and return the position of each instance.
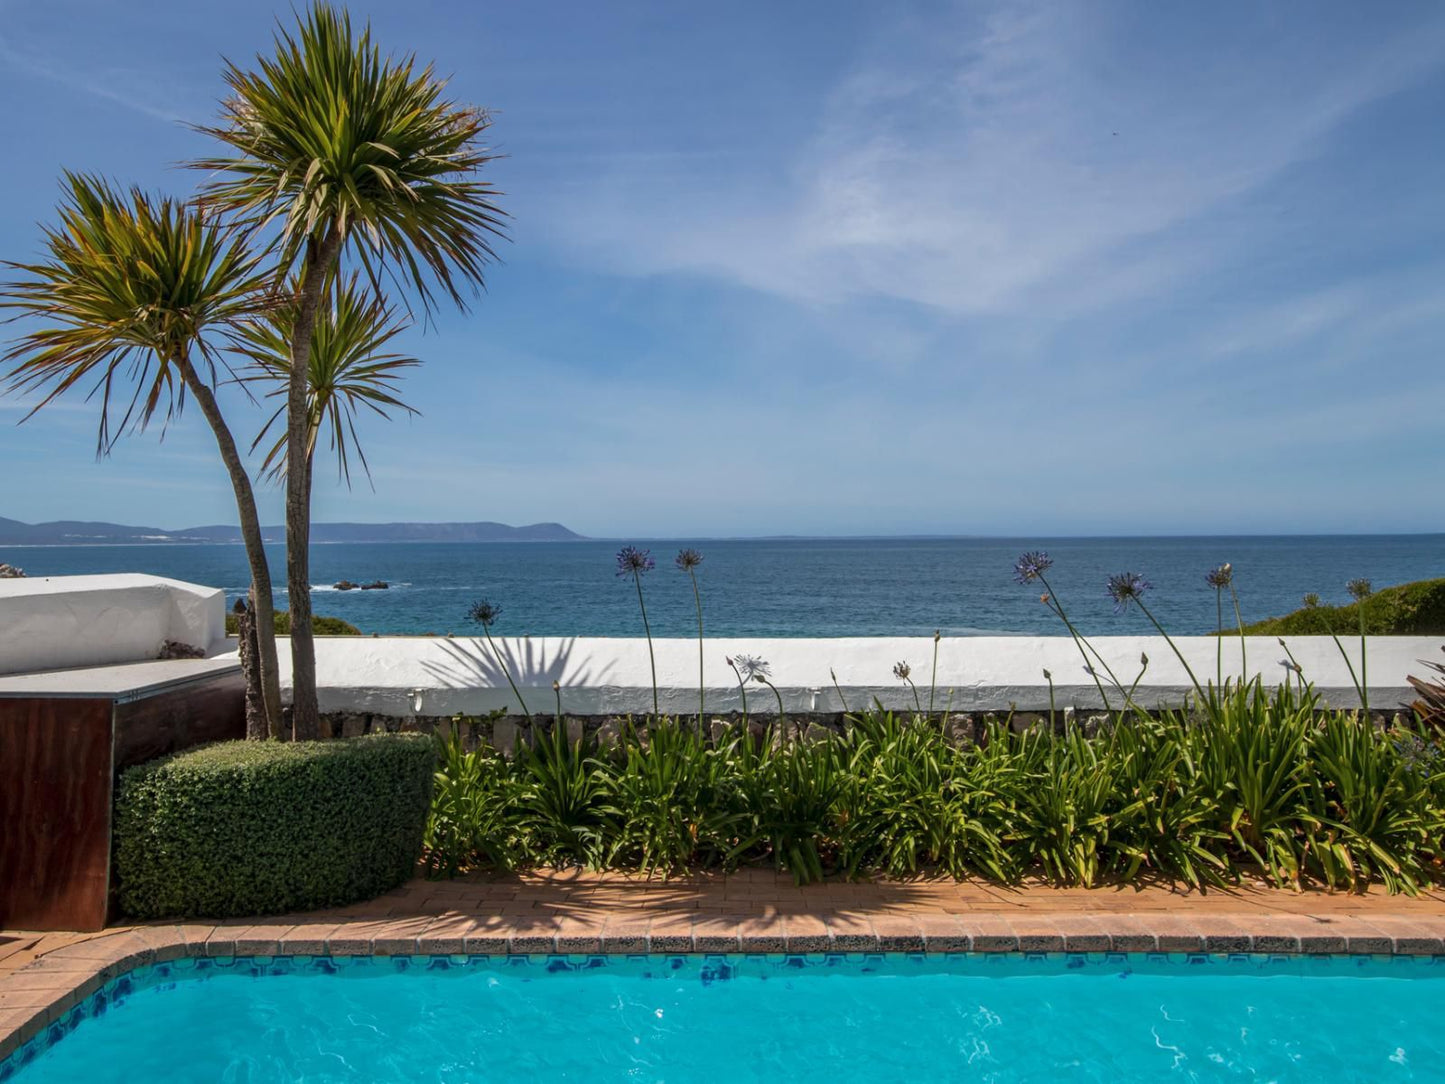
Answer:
(684, 1019)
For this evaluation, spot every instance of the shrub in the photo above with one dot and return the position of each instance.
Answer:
(321, 626)
(1265, 785)
(252, 828)
(1411, 609)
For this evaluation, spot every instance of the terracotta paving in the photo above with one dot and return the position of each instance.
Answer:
(42, 975)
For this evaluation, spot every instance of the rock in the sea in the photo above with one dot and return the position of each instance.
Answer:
(10, 572)
(347, 585)
(375, 585)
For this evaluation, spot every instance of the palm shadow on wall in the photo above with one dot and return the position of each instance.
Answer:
(533, 664)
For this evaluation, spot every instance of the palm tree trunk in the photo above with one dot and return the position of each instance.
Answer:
(305, 713)
(256, 727)
(269, 674)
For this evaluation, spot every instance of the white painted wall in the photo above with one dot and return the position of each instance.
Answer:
(612, 676)
(71, 621)
(57, 622)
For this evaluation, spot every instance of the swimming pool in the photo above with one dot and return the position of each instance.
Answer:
(986, 1017)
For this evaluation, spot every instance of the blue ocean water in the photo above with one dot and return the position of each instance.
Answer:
(890, 587)
(1000, 1019)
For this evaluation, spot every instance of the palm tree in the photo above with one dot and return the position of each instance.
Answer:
(336, 150)
(350, 371)
(131, 293)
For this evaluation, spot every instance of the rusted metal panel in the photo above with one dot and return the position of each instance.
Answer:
(59, 760)
(175, 719)
(55, 807)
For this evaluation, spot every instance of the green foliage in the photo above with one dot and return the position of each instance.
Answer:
(321, 626)
(253, 828)
(1411, 609)
(469, 821)
(330, 138)
(134, 289)
(1263, 785)
(350, 369)
(677, 792)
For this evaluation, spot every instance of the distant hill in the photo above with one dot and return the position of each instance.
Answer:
(79, 533)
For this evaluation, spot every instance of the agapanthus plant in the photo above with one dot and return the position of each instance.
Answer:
(1360, 590)
(1221, 578)
(933, 678)
(745, 666)
(904, 673)
(752, 668)
(1129, 588)
(1030, 567)
(486, 613)
(634, 562)
(687, 560)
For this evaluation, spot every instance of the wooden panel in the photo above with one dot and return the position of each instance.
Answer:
(207, 711)
(55, 797)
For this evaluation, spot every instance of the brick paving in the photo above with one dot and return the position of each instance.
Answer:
(42, 975)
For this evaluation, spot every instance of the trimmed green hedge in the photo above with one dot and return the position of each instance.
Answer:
(1411, 609)
(321, 626)
(253, 828)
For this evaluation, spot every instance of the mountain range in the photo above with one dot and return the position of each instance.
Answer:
(68, 532)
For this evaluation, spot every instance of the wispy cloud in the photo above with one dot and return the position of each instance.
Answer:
(135, 90)
(1030, 166)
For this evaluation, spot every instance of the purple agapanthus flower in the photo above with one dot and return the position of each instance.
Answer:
(1030, 566)
(750, 667)
(1125, 588)
(632, 561)
(688, 559)
(484, 613)
(1220, 577)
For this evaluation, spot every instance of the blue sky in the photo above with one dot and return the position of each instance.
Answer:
(1025, 268)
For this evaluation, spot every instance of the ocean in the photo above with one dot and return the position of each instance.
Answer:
(790, 587)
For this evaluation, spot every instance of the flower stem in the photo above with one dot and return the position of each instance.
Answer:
(1177, 653)
(1129, 696)
(1354, 677)
(742, 688)
(1219, 636)
(701, 683)
(917, 704)
(652, 658)
(1364, 663)
(1239, 620)
(782, 716)
(933, 679)
(841, 698)
(1054, 605)
(507, 671)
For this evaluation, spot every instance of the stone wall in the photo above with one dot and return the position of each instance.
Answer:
(506, 732)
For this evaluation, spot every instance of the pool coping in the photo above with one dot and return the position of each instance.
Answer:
(42, 992)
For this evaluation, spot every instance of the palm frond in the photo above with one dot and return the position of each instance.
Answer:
(331, 137)
(1430, 707)
(350, 371)
(128, 285)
